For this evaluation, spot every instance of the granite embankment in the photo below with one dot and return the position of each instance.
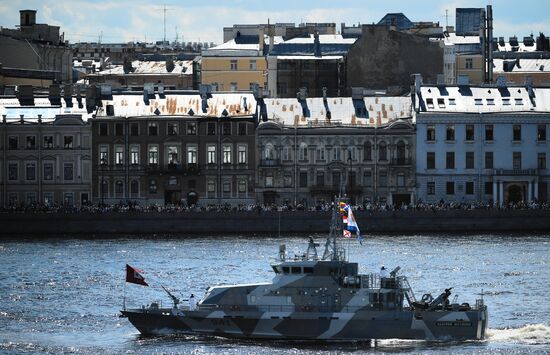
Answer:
(268, 223)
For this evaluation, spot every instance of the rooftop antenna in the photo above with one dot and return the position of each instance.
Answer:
(446, 19)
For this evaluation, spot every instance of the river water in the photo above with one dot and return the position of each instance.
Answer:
(63, 295)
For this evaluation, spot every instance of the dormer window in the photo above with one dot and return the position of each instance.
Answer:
(518, 101)
(441, 103)
(478, 102)
(452, 101)
(506, 102)
(491, 102)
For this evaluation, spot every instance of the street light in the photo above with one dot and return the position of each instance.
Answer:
(350, 185)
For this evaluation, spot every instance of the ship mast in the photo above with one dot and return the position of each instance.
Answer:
(331, 249)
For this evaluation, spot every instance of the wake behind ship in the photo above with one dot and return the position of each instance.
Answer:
(321, 298)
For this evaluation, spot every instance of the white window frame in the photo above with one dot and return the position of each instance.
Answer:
(242, 154)
(211, 154)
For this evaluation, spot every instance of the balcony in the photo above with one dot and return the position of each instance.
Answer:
(401, 161)
(516, 172)
(270, 162)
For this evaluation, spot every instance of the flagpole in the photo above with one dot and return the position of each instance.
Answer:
(124, 297)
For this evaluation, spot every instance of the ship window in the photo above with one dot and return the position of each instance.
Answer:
(296, 270)
(286, 269)
(308, 270)
(276, 269)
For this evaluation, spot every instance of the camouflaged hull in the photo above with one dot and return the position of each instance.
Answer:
(318, 300)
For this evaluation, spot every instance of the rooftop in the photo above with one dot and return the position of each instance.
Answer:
(151, 67)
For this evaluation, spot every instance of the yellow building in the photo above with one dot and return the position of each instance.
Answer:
(235, 65)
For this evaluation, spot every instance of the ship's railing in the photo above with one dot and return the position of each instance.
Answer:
(294, 309)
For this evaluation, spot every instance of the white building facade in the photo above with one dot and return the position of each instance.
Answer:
(482, 143)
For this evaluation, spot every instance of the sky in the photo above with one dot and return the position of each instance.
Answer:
(203, 21)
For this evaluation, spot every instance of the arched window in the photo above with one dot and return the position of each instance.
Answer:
(269, 152)
(401, 154)
(242, 186)
(134, 187)
(382, 152)
(367, 154)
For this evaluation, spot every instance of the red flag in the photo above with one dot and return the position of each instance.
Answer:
(133, 276)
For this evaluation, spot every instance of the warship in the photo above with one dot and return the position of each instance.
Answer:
(318, 298)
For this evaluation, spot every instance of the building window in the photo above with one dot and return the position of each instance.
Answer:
(233, 86)
(336, 179)
(226, 187)
(320, 178)
(13, 142)
(441, 103)
(30, 170)
(367, 178)
(172, 128)
(302, 152)
(303, 178)
(211, 154)
(383, 178)
(119, 129)
(468, 63)
(541, 133)
(252, 64)
(430, 133)
(173, 156)
(134, 187)
(518, 101)
(152, 129)
(48, 198)
(469, 160)
(233, 64)
(401, 179)
(488, 188)
(517, 133)
(103, 155)
(68, 142)
(489, 132)
(335, 153)
(241, 186)
(134, 129)
(119, 155)
(192, 154)
(470, 132)
(488, 160)
(516, 160)
(152, 186)
(430, 160)
(68, 199)
(192, 128)
(450, 188)
(269, 180)
(48, 171)
(211, 129)
(287, 180)
(31, 142)
(242, 129)
(211, 186)
(119, 187)
(48, 142)
(478, 102)
(450, 160)
(367, 151)
(134, 155)
(153, 154)
(469, 187)
(383, 153)
(226, 129)
(430, 102)
(430, 188)
(241, 154)
(226, 150)
(541, 160)
(450, 133)
(68, 171)
(103, 129)
(286, 153)
(320, 154)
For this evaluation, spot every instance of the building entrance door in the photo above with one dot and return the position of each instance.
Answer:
(515, 194)
(172, 197)
(192, 198)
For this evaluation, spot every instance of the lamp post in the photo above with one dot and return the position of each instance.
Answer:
(102, 163)
(350, 185)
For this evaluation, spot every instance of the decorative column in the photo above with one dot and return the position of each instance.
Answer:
(530, 192)
(495, 192)
(537, 190)
(501, 192)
